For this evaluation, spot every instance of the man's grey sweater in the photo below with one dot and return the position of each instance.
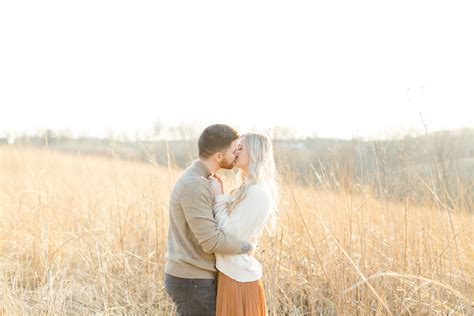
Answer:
(193, 235)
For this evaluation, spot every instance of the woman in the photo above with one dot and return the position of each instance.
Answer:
(244, 214)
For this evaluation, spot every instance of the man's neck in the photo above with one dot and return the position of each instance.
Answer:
(212, 167)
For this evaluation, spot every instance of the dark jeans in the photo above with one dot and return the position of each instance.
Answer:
(192, 296)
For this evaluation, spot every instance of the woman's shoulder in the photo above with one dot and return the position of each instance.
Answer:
(259, 189)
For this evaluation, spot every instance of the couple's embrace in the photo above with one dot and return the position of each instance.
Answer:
(212, 238)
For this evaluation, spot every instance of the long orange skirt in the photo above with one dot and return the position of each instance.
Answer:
(239, 298)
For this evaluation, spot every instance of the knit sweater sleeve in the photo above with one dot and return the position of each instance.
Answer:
(247, 217)
(197, 205)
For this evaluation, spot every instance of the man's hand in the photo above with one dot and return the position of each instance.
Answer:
(254, 248)
(215, 185)
(219, 178)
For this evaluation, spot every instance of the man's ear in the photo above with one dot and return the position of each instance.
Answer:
(217, 157)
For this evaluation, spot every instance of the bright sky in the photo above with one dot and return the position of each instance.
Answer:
(331, 68)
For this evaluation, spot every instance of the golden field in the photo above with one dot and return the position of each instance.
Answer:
(87, 234)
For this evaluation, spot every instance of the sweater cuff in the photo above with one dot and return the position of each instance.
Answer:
(223, 198)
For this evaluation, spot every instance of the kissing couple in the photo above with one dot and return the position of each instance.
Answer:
(211, 267)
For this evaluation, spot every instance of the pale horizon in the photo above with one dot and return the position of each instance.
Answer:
(339, 70)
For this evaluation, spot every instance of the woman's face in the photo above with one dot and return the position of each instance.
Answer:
(243, 157)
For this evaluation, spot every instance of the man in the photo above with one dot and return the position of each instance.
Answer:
(193, 236)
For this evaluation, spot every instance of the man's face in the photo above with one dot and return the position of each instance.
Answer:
(229, 156)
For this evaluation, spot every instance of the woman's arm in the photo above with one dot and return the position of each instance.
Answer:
(247, 218)
(221, 212)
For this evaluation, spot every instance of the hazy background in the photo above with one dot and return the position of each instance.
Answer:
(369, 105)
(368, 91)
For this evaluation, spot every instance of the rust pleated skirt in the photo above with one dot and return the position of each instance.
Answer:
(239, 298)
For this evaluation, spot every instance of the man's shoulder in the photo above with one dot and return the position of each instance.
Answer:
(191, 182)
(196, 182)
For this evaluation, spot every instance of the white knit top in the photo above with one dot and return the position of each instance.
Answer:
(247, 220)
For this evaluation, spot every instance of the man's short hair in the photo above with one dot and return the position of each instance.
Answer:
(215, 138)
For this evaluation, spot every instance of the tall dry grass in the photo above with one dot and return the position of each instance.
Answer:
(85, 234)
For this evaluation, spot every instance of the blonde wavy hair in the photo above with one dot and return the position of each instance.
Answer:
(261, 169)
